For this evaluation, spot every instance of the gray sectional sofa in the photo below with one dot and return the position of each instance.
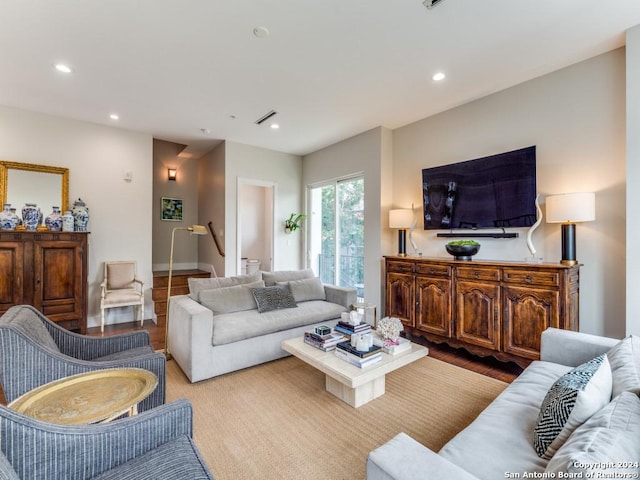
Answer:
(219, 328)
(500, 442)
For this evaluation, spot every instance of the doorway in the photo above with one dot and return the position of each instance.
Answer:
(256, 201)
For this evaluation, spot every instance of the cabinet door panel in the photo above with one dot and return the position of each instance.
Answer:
(478, 314)
(58, 279)
(11, 274)
(528, 312)
(400, 297)
(433, 305)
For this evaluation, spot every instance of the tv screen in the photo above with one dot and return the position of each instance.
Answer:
(490, 192)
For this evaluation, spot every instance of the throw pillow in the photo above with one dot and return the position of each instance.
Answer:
(273, 298)
(307, 289)
(272, 278)
(606, 444)
(196, 285)
(237, 298)
(570, 401)
(625, 365)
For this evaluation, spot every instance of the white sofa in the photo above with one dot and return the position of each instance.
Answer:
(217, 328)
(500, 442)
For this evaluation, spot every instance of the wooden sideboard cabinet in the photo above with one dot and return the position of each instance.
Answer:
(488, 308)
(47, 270)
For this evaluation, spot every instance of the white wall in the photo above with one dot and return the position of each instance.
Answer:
(185, 252)
(97, 157)
(367, 154)
(212, 208)
(633, 180)
(218, 175)
(576, 118)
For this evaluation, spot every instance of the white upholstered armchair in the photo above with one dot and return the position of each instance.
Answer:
(121, 288)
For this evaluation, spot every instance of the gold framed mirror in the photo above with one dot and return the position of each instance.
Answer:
(44, 185)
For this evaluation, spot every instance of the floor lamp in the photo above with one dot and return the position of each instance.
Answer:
(567, 209)
(194, 230)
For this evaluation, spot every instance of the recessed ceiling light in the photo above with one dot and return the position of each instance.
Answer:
(114, 116)
(438, 76)
(61, 67)
(261, 32)
(275, 126)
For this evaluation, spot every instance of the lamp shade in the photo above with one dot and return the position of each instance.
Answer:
(571, 208)
(401, 218)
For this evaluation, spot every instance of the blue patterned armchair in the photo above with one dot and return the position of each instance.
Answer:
(156, 444)
(34, 351)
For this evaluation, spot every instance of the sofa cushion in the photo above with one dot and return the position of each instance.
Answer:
(625, 365)
(271, 278)
(508, 422)
(230, 299)
(196, 285)
(307, 289)
(609, 437)
(276, 297)
(236, 326)
(570, 401)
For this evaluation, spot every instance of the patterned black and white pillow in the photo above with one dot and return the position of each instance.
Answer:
(570, 401)
(273, 298)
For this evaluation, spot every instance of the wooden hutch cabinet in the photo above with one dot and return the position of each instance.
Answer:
(488, 308)
(47, 270)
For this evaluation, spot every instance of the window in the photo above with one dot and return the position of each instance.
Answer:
(336, 232)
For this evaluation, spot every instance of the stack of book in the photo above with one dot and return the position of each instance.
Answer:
(360, 359)
(325, 343)
(347, 329)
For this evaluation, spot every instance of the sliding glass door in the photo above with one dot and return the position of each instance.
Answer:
(336, 233)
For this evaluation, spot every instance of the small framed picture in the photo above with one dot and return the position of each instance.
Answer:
(172, 209)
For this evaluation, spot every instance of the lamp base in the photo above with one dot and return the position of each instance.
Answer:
(569, 262)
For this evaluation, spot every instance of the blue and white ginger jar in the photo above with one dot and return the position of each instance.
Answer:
(7, 220)
(31, 216)
(67, 221)
(80, 215)
(54, 220)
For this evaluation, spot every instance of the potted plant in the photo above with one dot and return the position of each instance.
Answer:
(293, 223)
(463, 249)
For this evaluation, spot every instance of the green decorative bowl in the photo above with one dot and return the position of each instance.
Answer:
(462, 252)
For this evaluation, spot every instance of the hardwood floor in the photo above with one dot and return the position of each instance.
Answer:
(489, 366)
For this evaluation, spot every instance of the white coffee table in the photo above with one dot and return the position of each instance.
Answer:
(355, 386)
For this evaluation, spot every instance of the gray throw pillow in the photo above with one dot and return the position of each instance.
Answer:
(271, 278)
(196, 285)
(625, 365)
(570, 401)
(237, 298)
(307, 289)
(273, 298)
(606, 444)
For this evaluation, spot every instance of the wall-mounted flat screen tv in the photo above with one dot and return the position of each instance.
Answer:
(490, 192)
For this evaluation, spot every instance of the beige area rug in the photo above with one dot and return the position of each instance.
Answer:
(276, 421)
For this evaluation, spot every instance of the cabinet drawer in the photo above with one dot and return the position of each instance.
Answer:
(477, 273)
(399, 267)
(527, 277)
(433, 270)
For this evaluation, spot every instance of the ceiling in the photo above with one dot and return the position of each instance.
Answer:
(193, 72)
